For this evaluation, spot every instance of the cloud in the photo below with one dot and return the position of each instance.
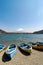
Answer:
(20, 29)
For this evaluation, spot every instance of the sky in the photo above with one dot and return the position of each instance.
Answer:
(21, 15)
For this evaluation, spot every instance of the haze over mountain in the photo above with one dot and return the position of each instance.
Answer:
(21, 31)
(2, 31)
(18, 31)
(38, 32)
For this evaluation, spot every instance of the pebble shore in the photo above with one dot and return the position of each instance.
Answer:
(36, 58)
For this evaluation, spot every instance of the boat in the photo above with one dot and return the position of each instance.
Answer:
(25, 47)
(2, 47)
(11, 50)
(33, 43)
(38, 46)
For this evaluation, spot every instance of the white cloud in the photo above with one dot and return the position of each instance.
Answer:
(20, 30)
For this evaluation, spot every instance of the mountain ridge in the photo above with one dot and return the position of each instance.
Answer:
(2, 31)
(35, 32)
(38, 32)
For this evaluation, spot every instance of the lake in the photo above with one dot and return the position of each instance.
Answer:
(19, 38)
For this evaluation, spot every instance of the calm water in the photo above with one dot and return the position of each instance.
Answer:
(18, 38)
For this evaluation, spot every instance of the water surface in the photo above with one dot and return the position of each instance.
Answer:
(18, 38)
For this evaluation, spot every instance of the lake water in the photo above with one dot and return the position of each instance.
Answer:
(18, 38)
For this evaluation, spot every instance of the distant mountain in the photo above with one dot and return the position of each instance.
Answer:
(1, 31)
(38, 32)
(17, 32)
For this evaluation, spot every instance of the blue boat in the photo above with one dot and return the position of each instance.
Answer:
(25, 47)
(39, 43)
(11, 50)
(2, 47)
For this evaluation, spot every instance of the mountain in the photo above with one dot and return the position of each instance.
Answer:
(4, 32)
(1, 31)
(38, 32)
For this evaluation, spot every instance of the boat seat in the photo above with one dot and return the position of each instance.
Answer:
(1, 46)
(12, 46)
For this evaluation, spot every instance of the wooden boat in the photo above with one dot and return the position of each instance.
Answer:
(39, 46)
(25, 47)
(2, 47)
(11, 50)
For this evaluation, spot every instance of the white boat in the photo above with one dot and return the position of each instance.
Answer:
(25, 47)
(11, 50)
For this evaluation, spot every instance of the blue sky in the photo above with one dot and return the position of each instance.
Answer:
(17, 15)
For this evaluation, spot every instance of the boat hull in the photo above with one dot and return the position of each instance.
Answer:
(2, 49)
(11, 52)
(38, 47)
(28, 50)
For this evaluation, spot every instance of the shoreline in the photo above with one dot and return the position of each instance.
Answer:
(36, 58)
